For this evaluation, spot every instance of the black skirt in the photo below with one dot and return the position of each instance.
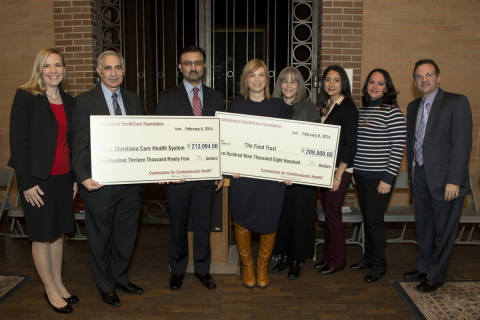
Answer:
(55, 217)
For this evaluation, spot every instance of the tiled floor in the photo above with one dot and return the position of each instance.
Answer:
(342, 295)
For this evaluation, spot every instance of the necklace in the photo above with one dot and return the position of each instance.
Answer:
(54, 99)
(369, 115)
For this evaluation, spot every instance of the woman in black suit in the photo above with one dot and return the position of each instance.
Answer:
(337, 108)
(40, 123)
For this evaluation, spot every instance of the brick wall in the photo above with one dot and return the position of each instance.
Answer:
(342, 44)
(397, 34)
(26, 27)
(342, 38)
(75, 36)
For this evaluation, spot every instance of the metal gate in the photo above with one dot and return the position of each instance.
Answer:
(149, 34)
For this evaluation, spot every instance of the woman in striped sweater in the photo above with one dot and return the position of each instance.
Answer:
(380, 144)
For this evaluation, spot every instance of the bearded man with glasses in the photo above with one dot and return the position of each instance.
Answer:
(191, 98)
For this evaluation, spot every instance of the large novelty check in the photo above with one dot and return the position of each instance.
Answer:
(141, 149)
(278, 149)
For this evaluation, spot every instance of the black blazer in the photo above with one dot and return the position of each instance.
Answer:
(174, 102)
(33, 136)
(345, 115)
(447, 144)
(93, 103)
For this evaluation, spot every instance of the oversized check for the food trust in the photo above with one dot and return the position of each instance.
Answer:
(278, 149)
(140, 149)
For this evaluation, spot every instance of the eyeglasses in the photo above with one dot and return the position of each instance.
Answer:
(428, 75)
(197, 63)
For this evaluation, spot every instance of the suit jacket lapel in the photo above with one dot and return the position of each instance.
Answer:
(184, 101)
(206, 99)
(47, 105)
(436, 109)
(101, 102)
(128, 102)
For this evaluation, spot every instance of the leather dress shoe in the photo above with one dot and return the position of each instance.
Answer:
(361, 265)
(71, 299)
(65, 309)
(206, 280)
(111, 298)
(320, 265)
(280, 267)
(414, 275)
(131, 288)
(176, 281)
(372, 277)
(327, 270)
(428, 286)
(294, 271)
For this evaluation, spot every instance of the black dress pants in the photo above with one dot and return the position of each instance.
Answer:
(111, 220)
(373, 206)
(437, 226)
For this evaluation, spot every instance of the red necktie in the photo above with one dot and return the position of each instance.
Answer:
(196, 103)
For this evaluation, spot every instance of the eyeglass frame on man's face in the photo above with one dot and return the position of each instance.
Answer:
(197, 63)
(429, 75)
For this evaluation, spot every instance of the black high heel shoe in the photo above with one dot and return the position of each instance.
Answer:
(71, 299)
(65, 309)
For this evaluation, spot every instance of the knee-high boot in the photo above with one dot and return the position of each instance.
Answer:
(243, 237)
(267, 240)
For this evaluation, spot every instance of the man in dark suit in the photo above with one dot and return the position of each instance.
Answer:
(439, 141)
(111, 212)
(195, 198)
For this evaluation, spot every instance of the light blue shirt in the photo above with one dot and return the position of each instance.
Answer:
(189, 89)
(108, 97)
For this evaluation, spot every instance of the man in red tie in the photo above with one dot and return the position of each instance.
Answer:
(192, 198)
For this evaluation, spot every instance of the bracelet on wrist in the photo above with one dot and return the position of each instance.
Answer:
(337, 179)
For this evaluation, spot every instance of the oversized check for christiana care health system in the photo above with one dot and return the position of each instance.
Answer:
(278, 149)
(141, 149)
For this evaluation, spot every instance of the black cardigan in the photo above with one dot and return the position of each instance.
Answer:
(345, 115)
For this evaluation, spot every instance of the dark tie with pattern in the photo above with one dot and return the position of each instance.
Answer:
(196, 103)
(116, 106)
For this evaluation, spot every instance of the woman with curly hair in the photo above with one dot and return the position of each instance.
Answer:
(380, 143)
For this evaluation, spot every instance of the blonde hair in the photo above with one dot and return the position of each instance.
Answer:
(36, 85)
(293, 74)
(252, 66)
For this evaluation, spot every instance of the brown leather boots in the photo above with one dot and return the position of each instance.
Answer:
(244, 245)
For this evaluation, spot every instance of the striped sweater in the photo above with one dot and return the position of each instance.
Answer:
(380, 142)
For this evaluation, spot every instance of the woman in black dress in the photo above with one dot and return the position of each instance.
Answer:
(296, 233)
(256, 204)
(40, 123)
